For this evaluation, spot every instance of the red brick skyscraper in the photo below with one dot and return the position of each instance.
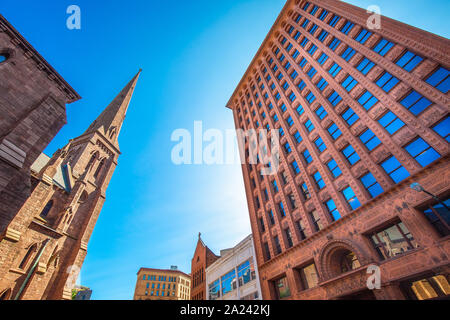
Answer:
(362, 115)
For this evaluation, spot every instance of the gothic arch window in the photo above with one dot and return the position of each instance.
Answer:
(46, 209)
(92, 160)
(83, 197)
(112, 132)
(5, 295)
(54, 258)
(26, 259)
(99, 168)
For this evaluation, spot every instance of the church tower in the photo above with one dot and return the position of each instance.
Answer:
(43, 248)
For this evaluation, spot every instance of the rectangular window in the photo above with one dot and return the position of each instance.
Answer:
(351, 198)
(322, 59)
(334, 131)
(321, 112)
(391, 122)
(301, 85)
(275, 186)
(347, 27)
(294, 75)
(422, 152)
(334, 20)
(387, 81)
(289, 241)
(415, 102)
(292, 97)
(315, 219)
(310, 97)
(282, 288)
(439, 216)
(308, 277)
(314, 10)
(307, 156)
(442, 128)
(295, 54)
(322, 84)
(393, 241)
(301, 229)
(334, 70)
(266, 251)
(440, 80)
(349, 116)
(312, 49)
(309, 126)
(298, 137)
(313, 29)
(323, 14)
(363, 36)
(322, 35)
(334, 44)
(319, 181)
(304, 42)
(320, 145)
(282, 211)
(371, 185)
(292, 201)
(348, 53)
(394, 169)
(281, 131)
(311, 72)
(367, 100)
(332, 210)
(349, 83)
(276, 241)
(287, 147)
(304, 190)
(334, 98)
(305, 23)
(271, 218)
(369, 139)
(365, 66)
(295, 166)
(383, 46)
(351, 155)
(334, 169)
(303, 62)
(409, 61)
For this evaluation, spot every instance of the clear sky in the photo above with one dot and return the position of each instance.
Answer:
(193, 54)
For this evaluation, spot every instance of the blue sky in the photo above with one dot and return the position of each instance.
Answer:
(193, 54)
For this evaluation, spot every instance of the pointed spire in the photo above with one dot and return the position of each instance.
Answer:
(110, 121)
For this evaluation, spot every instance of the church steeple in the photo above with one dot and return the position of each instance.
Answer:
(110, 121)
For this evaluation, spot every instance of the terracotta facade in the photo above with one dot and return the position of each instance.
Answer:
(362, 115)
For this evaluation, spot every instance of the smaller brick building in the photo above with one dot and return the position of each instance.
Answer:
(160, 284)
(203, 258)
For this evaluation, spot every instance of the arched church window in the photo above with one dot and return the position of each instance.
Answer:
(91, 161)
(53, 258)
(46, 209)
(31, 250)
(99, 168)
(5, 295)
(3, 57)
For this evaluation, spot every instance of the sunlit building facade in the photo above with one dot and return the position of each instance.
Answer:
(362, 114)
(159, 284)
(234, 276)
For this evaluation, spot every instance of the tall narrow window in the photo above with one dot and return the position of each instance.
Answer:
(46, 209)
(26, 259)
(99, 168)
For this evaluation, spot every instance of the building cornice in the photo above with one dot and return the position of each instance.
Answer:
(19, 41)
